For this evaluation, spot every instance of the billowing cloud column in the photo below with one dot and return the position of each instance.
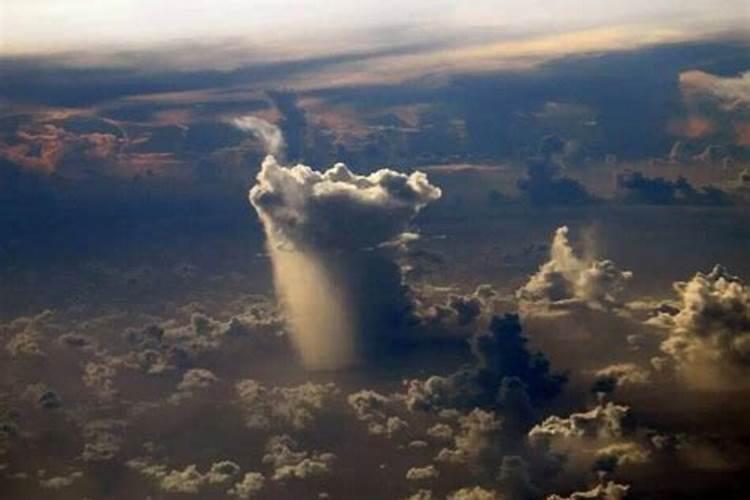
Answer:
(339, 285)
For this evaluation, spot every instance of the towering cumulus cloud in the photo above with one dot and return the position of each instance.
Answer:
(339, 283)
(568, 280)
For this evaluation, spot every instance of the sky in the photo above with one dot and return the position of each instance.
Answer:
(384, 250)
(40, 26)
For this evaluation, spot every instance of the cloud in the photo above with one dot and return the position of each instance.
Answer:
(607, 420)
(368, 405)
(288, 463)
(709, 332)
(252, 483)
(567, 280)
(636, 188)
(371, 407)
(324, 232)
(478, 439)
(174, 344)
(189, 480)
(615, 455)
(608, 491)
(422, 473)
(43, 396)
(103, 439)
(60, 482)
(193, 380)
(26, 334)
(515, 478)
(442, 432)
(474, 493)
(296, 407)
(543, 184)
(618, 375)
(268, 133)
(507, 376)
(459, 311)
(422, 494)
(731, 92)
(99, 377)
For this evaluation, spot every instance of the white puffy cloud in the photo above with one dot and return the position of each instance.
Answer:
(252, 483)
(474, 493)
(371, 407)
(623, 453)
(27, 333)
(289, 463)
(388, 427)
(608, 491)
(99, 377)
(422, 473)
(308, 467)
(567, 280)
(187, 480)
(221, 472)
(296, 407)
(195, 379)
(440, 431)
(606, 421)
(601, 439)
(479, 434)
(422, 494)
(368, 405)
(623, 374)
(102, 439)
(337, 208)
(59, 482)
(709, 334)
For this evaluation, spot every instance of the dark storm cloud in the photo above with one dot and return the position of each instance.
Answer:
(543, 185)
(507, 376)
(457, 311)
(634, 187)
